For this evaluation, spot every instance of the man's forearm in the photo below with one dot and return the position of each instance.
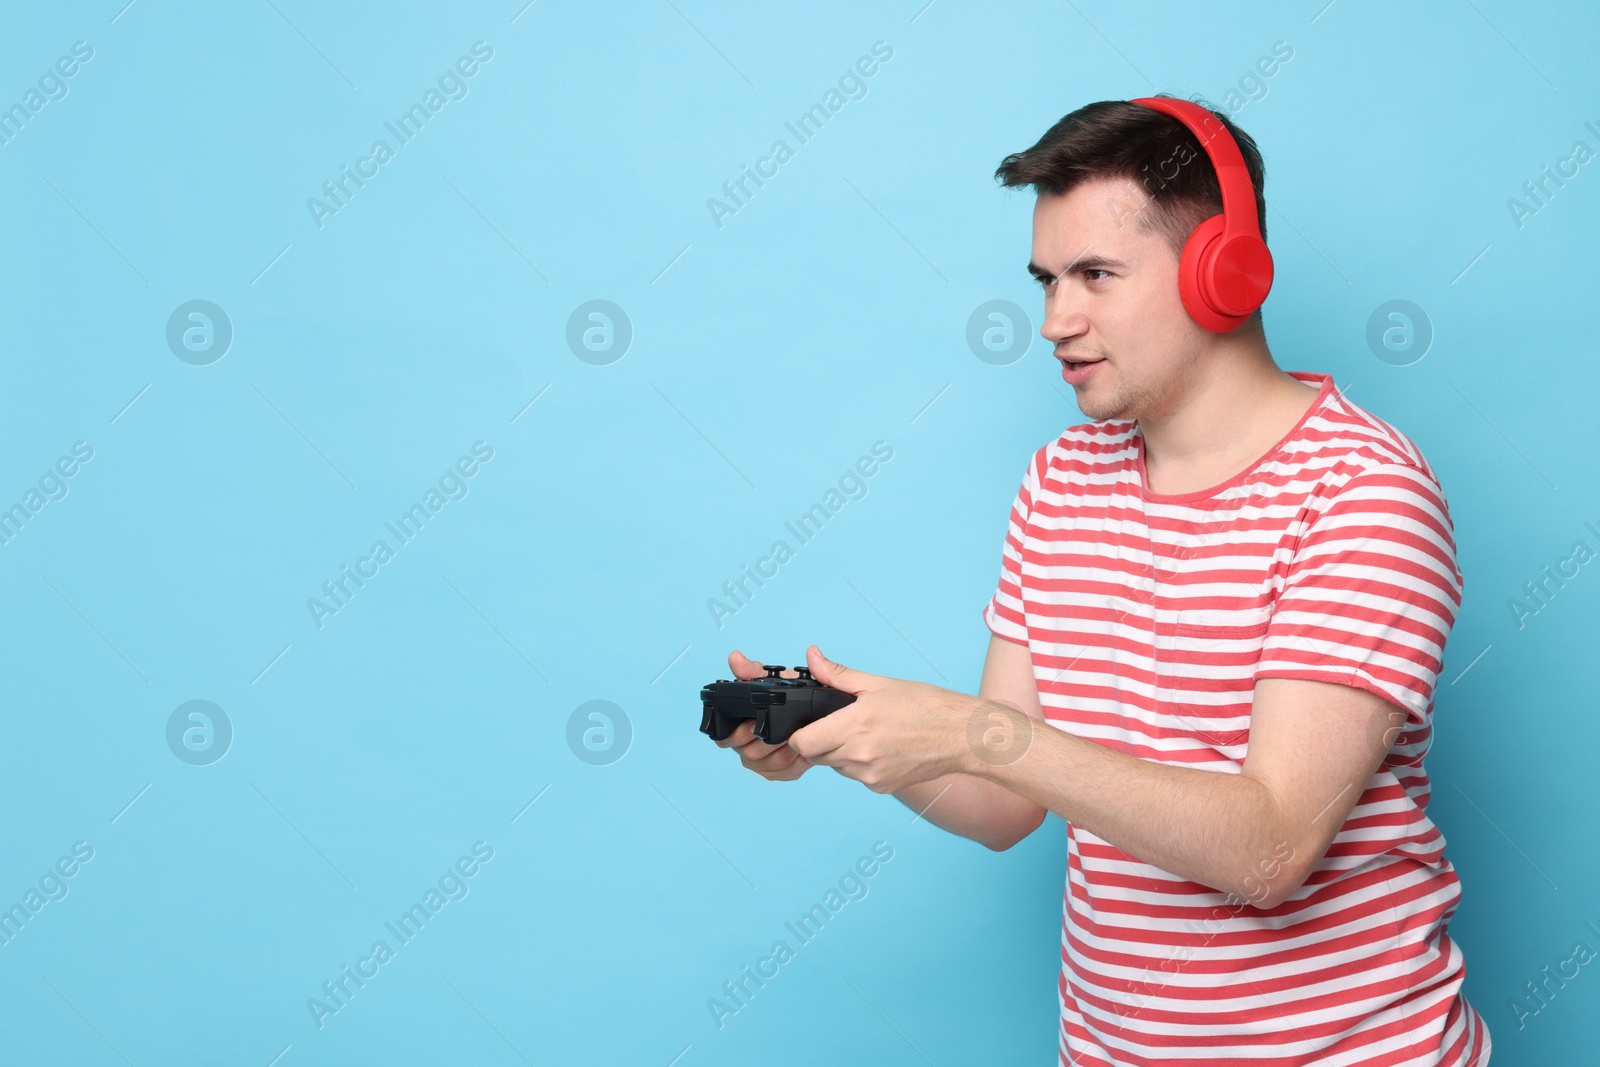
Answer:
(1210, 827)
(974, 808)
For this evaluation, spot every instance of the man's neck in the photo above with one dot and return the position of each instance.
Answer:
(1229, 416)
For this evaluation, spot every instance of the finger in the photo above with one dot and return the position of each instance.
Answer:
(758, 749)
(795, 769)
(776, 760)
(742, 734)
(754, 748)
(744, 740)
(836, 675)
(818, 740)
(848, 768)
(744, 668)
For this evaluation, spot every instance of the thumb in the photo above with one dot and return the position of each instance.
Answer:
(836, 676)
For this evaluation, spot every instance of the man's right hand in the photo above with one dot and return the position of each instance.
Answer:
(776, 763)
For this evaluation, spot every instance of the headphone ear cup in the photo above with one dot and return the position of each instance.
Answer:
(1193, 283)
(1236, 274)
(1221, 284)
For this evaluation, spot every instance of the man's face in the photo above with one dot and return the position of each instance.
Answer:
(1111, 294)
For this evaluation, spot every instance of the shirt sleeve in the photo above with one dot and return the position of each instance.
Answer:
(1371, 592)
(1004, 612)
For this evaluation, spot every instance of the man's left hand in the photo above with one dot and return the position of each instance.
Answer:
(896, 734)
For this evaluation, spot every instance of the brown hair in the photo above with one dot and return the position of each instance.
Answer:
(1121, 139)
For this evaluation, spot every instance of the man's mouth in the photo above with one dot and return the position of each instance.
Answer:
(1075, 364)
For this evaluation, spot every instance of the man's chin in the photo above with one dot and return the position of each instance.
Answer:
(1099, 410)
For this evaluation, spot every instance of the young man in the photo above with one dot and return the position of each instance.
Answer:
(1229, 596)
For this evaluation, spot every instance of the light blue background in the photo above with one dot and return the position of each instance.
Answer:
(768, 355)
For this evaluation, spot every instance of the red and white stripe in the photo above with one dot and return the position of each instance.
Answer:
(1149, 618)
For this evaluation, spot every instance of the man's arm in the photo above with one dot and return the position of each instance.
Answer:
(1258, 833)
(964, 804)
(1372, 593)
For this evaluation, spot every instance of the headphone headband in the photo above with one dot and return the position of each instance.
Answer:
(1225, 271)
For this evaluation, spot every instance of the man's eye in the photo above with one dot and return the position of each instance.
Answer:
(1097, 271)
(1044, 283)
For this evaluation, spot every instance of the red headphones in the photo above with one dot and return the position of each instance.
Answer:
(1225, 271)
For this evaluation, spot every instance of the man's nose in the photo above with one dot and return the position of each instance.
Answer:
(1063, 318)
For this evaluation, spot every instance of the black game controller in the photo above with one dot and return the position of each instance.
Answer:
(779, 705)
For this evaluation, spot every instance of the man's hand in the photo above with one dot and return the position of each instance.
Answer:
(776, 763)
(897, 733)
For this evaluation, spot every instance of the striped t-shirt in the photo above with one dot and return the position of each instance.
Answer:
(1149, 618)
